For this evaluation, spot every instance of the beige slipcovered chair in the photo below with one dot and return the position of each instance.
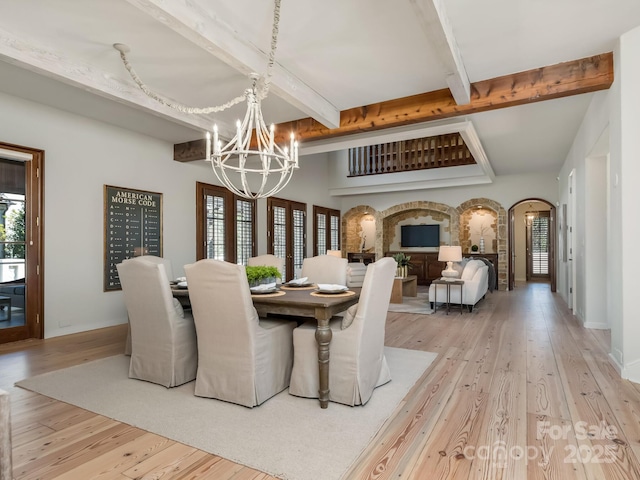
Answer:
(168, 270)
(6, 469)
(242, 358)
(325, 269)
(163, 336)
(269, 261)
(358, 364)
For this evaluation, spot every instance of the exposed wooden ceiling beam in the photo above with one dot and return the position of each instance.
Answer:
(216, 37)
(435, 25)
(546, 83)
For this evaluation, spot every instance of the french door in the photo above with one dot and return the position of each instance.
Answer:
(226, 226)
(286, 233)
(538, 245)
(326, 230)
(21, 223)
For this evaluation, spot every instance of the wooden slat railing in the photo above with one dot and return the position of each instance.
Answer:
(447, 150)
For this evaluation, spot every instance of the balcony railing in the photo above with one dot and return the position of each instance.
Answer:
(448, 150)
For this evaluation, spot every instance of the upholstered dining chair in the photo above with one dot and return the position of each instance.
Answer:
(269, 260)
(358, 364)
(325, 269)
(168, 269)
(242, 358)
(163, 336)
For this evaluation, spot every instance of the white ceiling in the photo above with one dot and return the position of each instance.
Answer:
(332, 55)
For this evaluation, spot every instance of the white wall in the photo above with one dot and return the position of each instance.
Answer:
(81, 156)
(596, 242)
(619, 109)
(594, 123)
(625, 134)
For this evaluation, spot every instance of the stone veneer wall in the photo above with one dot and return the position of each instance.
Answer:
(434, 209)
(392, 221)
(501, 237)
(351, 228)
(489, 219)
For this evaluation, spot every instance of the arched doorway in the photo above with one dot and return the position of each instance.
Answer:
(532, 245)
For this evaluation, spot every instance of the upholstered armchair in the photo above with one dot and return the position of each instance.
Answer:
(168, 270)
(163, 336)
(358, 364)
(242, 358)
(269, 260)
(325, 269)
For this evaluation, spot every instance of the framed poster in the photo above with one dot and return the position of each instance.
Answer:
(132, 227)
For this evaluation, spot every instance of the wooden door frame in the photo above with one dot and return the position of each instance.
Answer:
(34, 246)
(230, 204)
(552, 241)
(329, 213)
(289, 206)
(529, 240)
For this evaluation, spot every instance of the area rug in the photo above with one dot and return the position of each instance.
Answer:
(419, 305)
(287, 437)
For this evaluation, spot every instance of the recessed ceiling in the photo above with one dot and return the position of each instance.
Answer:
(332, 55)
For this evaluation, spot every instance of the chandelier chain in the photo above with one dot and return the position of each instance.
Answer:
(260, 90)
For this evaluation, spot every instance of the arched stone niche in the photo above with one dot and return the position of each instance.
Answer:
(359, 229)
(432, 212)
(483, 213)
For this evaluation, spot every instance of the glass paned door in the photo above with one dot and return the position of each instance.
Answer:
(538, 245)
(21, 203)
(215, 227)
(286, 233)
(326, 232)
(226, 226)
(12, 260)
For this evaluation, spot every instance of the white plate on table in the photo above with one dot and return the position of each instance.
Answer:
(261, 291)
(331, 288)
(298, 285)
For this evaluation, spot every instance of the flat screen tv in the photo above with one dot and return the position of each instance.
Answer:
(420, 235)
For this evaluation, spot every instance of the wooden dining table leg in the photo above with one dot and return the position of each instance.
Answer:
(323, 338)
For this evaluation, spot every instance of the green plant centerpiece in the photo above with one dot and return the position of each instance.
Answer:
(474, 248)
(403, 264)
(257, 275)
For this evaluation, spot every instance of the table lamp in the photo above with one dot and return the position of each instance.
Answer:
(335, 253)
(450, 254)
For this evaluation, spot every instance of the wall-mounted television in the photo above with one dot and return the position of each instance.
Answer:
(420, 235)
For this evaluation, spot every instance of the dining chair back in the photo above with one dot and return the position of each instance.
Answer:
(168, 270)
(325, 269)
(358, 364)
(163, 336)
(269, 260)
(6, 468)
(241, 358)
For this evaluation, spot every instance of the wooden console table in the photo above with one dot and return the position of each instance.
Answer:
(404, 287)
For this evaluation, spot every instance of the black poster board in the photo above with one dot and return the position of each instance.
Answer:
(132, 227)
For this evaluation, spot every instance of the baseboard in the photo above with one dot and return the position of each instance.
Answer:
(631, 372)
(616, 364)
(597, 325)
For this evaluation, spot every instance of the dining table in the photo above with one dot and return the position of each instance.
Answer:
(305, 303)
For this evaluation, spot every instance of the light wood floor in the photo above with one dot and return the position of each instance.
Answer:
(519, 391)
